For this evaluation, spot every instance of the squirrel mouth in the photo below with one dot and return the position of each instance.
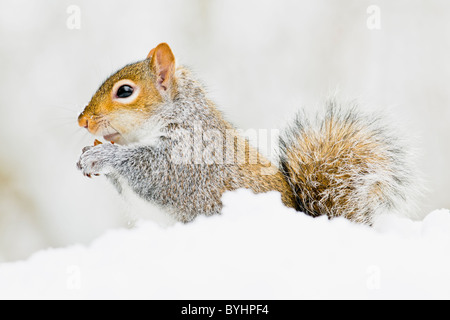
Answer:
(112, 137)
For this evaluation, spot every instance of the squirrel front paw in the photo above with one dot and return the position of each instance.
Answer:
(96, 160)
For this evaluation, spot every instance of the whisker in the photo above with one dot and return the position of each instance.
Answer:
(72, 108)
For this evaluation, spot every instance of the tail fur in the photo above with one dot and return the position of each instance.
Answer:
(346, 164)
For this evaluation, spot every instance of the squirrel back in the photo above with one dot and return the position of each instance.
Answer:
(175, 149)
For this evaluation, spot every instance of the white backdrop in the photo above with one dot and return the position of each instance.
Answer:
(261, 60)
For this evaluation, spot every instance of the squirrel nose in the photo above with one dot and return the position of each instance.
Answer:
(83, 121)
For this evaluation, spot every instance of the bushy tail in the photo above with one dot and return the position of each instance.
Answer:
(346, 164)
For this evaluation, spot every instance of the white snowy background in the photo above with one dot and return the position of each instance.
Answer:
(261, 60)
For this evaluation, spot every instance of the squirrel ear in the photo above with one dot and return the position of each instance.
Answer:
(150, 54)
(163, 65)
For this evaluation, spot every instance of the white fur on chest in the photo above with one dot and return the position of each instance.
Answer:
(149, 134)
(140, 209)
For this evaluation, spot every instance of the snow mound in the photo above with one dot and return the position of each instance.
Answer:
(257, 249)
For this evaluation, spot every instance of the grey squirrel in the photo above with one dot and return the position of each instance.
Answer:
(343, 165)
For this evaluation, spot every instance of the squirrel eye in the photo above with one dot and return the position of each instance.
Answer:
(124, 91)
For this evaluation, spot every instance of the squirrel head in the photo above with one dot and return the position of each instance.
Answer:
(128, 98)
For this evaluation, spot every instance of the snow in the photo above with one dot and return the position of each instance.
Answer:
(261, 61)
(257, 249)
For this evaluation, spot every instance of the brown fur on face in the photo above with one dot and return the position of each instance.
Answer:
(103, 113)
(153, 80)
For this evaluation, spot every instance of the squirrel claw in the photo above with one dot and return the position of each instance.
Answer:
(85, 149)
(94, 160)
